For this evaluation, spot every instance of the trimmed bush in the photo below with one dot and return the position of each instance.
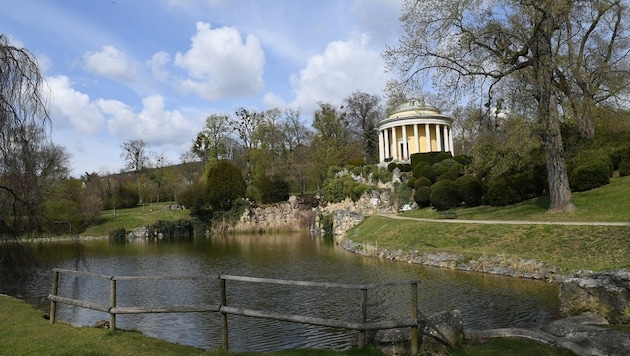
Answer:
(417, 169)
(470, 190)
(391, 166)
(463, 159)
(589, 176)
(444, 195)
(457, 169)
(447, 176)
(411, 181)
(422, 196)
(422, 182)
(425, 171)
(441, 156)
(439, 168)
(501, 192)
(404, 167)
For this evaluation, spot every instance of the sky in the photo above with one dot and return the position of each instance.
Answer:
(121, 70)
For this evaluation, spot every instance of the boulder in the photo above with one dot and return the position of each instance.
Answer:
(587, 331)
(441, 329)
(606, 294)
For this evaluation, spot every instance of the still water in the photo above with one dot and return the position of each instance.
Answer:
(485, 301)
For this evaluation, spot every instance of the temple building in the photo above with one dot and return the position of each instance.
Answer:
(414, 127)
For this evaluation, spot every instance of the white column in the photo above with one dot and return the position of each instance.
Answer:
(450, 140)
(416, 142)
(427, 133)
(387, 147)
(438, 138)
(446, 140)
(381, 147)
(395, 145)
(405, 150)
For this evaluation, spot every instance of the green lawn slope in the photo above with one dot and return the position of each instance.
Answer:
(568, 247)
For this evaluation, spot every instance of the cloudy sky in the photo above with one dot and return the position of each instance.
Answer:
(123, 69)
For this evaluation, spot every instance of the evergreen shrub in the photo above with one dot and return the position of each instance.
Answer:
(391, 166)
(410, 182)
(589, 176)
(422, 196)
(427, 172)
(422, 182)
(501, 192)
(447, 176)
(445, 195)
(439, 169)
(470, 190)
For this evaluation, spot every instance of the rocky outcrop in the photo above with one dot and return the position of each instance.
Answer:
(285, 216)
(348, 214)
(606, 293)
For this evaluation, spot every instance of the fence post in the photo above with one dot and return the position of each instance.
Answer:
(224, 316)
(53, 304)
(414, 316)
(112, 304)
(363, 317)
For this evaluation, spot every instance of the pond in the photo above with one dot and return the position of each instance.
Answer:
(486, 301)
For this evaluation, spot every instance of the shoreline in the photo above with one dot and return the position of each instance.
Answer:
(497, 265)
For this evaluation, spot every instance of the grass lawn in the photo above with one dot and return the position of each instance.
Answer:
(23, 331)
(567, 247)
(134, 217)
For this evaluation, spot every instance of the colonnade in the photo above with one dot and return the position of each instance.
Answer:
(398, 143)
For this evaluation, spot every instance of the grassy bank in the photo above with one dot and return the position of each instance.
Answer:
(23, 331)
(134, 217)
(567, 247)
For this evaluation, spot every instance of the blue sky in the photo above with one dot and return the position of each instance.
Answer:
(123, 69)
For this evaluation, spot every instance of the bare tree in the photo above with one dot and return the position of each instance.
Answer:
(567, 56)
(364, 112)
(135, 154)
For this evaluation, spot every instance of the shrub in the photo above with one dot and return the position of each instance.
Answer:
(391, 166)
(225, 184)
(463, 159)
(427, 172)
(444, 195)
(382, 175)
(401, 195)
(332, 171)
(272, 190)
(195, 198)
(470, 190)
(501, 192)
(589, 176)
(624, 168)
(181, 230)
(411, 181)
(118, 235)
(441, 156)
(447, 176)
(422, 196)
(404, 167)
(457, 169)
(357, 162)
(417, 169)
(422, 182)
(336, 190)
(439, 169)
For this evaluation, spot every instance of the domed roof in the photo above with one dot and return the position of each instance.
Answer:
(415, 105)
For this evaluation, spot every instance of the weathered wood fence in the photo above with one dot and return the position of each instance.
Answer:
(224, 309)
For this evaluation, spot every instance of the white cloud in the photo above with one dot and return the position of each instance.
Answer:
(67, 103)
(157, 63)
(221, 65)
(344, 67)
(110, 62)
(272, 100)
(154, 124)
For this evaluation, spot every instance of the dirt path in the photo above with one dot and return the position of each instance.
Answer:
(508, 222)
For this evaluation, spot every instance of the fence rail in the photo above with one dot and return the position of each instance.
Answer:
(361, 325)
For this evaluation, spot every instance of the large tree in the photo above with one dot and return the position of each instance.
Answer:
(561, 58)
(363, 112)
(136, 156)
(211, 142)
(30, 164)
(331, 143)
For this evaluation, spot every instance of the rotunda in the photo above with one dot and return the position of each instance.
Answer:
(414, 127)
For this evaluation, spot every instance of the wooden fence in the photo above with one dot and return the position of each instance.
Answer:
(224, 309)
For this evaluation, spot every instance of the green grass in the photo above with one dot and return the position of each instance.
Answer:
(567, 247)
(133, 218)
(607, 203)
(23, 331)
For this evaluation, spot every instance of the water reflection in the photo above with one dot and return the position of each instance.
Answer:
(485, 301)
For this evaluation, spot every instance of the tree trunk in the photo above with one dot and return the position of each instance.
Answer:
(559, 190)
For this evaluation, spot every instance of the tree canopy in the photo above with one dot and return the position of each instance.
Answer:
(553, 59)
